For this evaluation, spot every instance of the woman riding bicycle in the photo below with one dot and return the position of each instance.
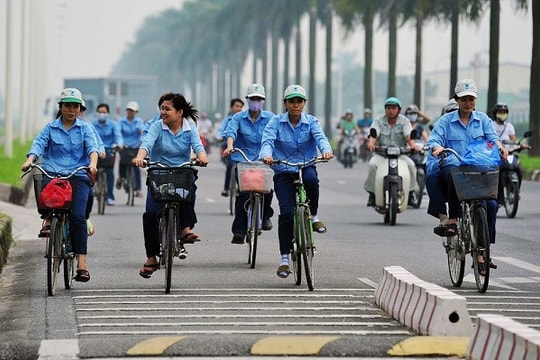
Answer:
(456, 130)
(294, 136)
(170, 141)
(66, 144)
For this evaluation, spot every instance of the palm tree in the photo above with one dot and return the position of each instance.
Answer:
(534, 92)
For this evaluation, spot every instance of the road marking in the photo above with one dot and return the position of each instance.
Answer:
(154, 346)
(291, 345)
(368, 282)
(58, 349)
(519, 263)
(431, 345)
(470, 278)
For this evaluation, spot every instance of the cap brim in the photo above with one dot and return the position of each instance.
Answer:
(132, 109)
(71, 100)
(466, 93)
(295, 95)
(256, 95)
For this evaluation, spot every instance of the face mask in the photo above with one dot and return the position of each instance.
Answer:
(412, 117)
(102, 116)
(255, 105)
(502, 116)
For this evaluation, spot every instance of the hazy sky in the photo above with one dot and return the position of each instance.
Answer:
(85, 38)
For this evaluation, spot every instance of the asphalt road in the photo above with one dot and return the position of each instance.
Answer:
(220, 307)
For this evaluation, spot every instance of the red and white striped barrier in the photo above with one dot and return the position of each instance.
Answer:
(424, 308)
(499, 337)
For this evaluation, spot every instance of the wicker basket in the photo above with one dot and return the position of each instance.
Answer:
(255, 177)
(127, 155)
(171, 184)
(63, 204)
(476, 182)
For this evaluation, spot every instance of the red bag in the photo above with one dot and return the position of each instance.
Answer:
(57, 194)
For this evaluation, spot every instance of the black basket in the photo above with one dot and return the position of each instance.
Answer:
(127, 155)
(476, 182)
(108, 161)
(171, 184)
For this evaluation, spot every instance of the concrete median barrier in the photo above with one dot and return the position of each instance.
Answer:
(499, 337)
(422, 307)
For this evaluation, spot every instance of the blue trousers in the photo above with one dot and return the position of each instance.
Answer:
(285, 192)
(441, 190)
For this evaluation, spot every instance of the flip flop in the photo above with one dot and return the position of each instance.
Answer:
(148, 273)
(189, 238)
(283, 271)
(445, 230)
(82, 276)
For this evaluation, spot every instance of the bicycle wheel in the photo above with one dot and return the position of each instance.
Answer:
(168, 251)
(255, 214)
(233, 190)
(54, 254)
(455, 253)
(130, 185)
(511, 198)
(306, 234)
(101, 191)
(296, 255)
(480, 247)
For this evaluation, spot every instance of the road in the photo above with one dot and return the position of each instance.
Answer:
(220, 307)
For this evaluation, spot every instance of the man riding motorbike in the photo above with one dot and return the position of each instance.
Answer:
(346, 126)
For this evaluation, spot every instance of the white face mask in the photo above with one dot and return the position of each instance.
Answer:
(255, 105)
(502, 116)
(412, 117)
(102, 116)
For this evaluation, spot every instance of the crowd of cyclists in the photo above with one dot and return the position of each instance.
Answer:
(180, 132)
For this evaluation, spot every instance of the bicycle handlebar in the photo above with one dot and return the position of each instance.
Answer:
(315, 160)
(242, 153)
(58, 176)
(445, 152)
(148, 163)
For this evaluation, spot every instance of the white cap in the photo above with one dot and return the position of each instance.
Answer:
(132, 105)
(466, 87)
(71, 95)
(293, 91)
(256, 90)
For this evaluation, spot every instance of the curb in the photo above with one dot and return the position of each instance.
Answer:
(424, 308)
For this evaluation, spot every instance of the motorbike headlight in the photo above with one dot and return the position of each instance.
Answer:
(393, 163)
(393, 150)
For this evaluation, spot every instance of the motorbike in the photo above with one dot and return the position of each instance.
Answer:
(420, 159)
(392, 182)
(509, 183)
(364, 139)
(349, 148)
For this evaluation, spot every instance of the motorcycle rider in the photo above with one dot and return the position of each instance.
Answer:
(392, 129)
(507, 133)
(364, 124)
(346, 124)
(412, 113)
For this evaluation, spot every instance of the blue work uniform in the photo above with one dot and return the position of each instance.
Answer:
(110, 134)
(131, 133)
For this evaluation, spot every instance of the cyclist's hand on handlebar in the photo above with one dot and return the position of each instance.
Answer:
(227, 151)
(139, 162)
(92, 169)
(268, 160)
(437, 150)
(202, 159)
(504, 152)
(327, 155)
(26, 165)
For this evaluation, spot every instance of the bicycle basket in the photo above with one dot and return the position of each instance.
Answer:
(255, 177)
(108, 161)
(52, 193)
(127, 155)
(170, 184)
(476, 182)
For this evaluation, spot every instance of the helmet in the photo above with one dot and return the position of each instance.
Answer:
(450, 106)
(500, 107)
(392, 101)
(348, 111)
(412, 109)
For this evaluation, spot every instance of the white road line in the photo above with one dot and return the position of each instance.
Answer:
(368, 282)
(470, 278)
(59, 349)
(519, 263)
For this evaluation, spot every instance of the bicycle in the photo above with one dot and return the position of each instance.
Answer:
(58, 243)
(303, 243)
(100, 187)
(473, 186)
(233, 190)
(170, 185)
(126, 158)
(254, 177)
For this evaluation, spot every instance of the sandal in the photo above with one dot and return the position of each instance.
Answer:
(318, 226)
(482, 268)
(45, 231)
(445, 229)
(148, 270)
(283, 271)
(189, 238)
(82, 276)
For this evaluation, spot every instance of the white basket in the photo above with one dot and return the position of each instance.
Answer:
(255, 177)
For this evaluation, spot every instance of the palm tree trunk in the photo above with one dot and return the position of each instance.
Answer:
(392, 53)
(454, 47)
(534, 95)
(368, 60)
(494, 34)
(328, 84)
(418, 63)
(312, 51)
